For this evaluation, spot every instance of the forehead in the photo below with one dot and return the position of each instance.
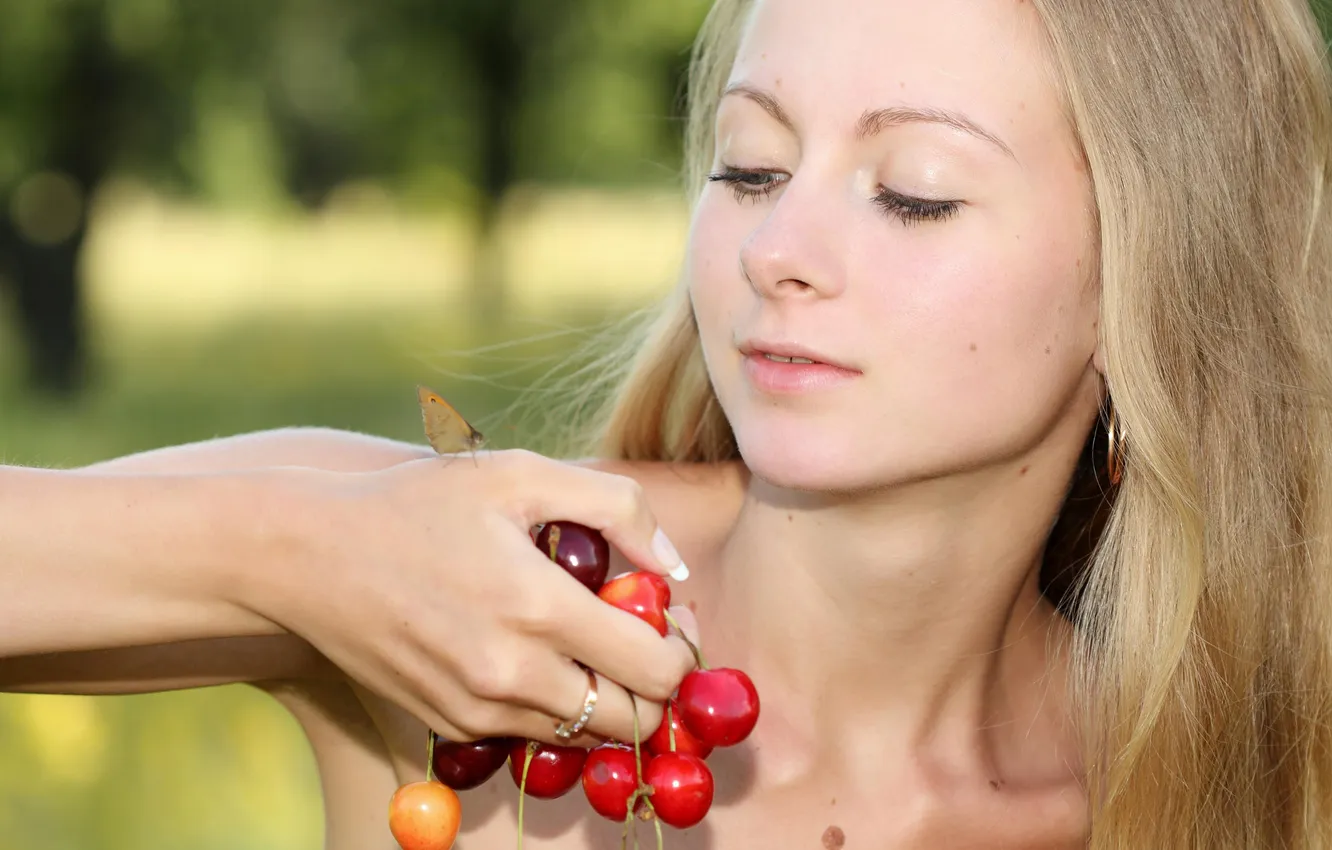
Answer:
(828, 61)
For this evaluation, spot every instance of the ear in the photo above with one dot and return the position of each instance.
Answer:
(1098, 358)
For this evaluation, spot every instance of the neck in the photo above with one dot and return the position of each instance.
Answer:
(912, 617)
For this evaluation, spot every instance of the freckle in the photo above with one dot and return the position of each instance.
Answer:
(1024, 470)
(778, 84)
(790, 518)
(1047, 349)
(973, 346)
(1079, 264)
(834, 802)
(834, 838)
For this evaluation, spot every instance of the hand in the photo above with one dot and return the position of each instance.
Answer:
(422, 583)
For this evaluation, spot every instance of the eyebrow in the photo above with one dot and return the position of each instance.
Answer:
(874, 121)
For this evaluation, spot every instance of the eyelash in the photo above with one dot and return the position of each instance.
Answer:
(745, 185)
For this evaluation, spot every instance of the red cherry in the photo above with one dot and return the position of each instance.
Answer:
(463, 765)
(681, 788)
(645, 595)
(581, 551)
(659, 742)
(609, 779)
(554, 770)
(425, 816)
(720, 705)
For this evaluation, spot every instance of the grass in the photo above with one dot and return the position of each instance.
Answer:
(225, 767)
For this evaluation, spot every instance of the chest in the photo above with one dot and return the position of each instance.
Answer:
(793, 819)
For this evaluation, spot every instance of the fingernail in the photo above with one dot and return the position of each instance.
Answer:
(669, 558)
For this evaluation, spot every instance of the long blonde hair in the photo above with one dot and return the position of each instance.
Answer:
(1203, 595)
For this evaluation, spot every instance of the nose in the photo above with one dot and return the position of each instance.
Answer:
(794, 251)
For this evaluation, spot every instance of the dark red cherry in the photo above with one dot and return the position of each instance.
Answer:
(466, 764)
(581, 551)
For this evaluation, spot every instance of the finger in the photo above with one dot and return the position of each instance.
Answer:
(610, 710)
(616, 643)
(617, 708)
(563, 696)
(558, 693)
(615, 505)
(425, 708)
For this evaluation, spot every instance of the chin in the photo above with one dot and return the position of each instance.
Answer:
(808, 465)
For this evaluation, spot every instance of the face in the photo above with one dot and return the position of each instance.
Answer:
(897, 197)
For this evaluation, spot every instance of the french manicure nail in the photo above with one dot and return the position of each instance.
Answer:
(680, 573)
(666, 554)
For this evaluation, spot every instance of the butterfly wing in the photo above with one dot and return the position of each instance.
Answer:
(445, 428)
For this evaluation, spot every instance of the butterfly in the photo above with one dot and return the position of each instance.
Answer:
(445, 427)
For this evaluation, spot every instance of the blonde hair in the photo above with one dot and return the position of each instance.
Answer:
(1204, 602)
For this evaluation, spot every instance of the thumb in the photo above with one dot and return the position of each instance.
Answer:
(687, 623)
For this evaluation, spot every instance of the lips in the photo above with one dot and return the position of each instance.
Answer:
(787, 352)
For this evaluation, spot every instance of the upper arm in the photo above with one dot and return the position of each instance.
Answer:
(165, 667)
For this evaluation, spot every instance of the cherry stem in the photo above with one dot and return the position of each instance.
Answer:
(643, 790)
(638, 756)
(528, 752)
(698, 654)
(670, 725)
(554, 540)
(430, 754)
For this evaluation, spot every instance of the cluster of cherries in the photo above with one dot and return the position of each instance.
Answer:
(664, 777)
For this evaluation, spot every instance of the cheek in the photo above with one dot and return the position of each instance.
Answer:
(985, 338)
(1003, 302)
(712, 267)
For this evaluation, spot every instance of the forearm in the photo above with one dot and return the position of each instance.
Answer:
(94, 621)
(94, 559)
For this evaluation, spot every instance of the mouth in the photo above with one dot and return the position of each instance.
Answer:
(790, 353)
(786, 369)
(777, 358)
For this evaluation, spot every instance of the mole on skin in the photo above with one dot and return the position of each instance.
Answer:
(834, 838)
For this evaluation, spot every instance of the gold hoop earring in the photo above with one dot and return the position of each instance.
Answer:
(1114, 452)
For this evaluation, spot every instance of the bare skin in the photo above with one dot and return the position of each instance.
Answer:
(1008, 781)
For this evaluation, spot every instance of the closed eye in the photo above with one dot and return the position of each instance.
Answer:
(749, 183)
(915, 210)
(754, 184)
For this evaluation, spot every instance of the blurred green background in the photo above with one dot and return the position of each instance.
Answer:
(226, 215)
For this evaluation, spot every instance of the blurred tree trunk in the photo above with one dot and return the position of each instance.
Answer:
(45, 272)
(499, 57)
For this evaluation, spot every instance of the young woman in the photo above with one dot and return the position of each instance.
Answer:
(991, 416)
